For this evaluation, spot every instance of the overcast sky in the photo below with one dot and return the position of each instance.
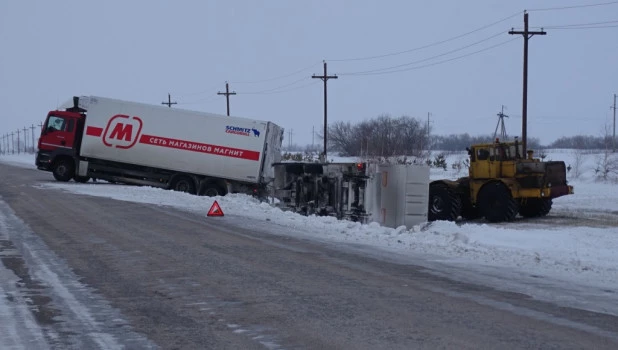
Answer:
(268, 51)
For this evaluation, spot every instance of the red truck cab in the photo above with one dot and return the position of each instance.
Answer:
(59, 142)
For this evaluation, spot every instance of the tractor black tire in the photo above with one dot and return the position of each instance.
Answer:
(64, 170)
(184, 184)
(535, 207)
(81, 179)
(469, 211)
(496, 203)
(444, 203)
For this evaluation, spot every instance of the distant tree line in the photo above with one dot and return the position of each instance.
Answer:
(459, 142)
(383, 136)
(582, 142)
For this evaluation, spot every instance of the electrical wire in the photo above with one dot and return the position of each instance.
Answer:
(439, 62)
(278, 77)
(564, 26)
(593, 27)
(425, 59)
(428, 45)
(278, 90)
(574, 7)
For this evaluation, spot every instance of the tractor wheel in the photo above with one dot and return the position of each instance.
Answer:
(444, 203)
(535, 207)
(64, 170)
(469, 211)
(184, 184)
(496, 203)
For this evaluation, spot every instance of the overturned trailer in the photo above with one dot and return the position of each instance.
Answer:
(390, 194)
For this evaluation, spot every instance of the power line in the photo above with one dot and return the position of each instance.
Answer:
(274, 89)
(278, 77)
(428, 45)
(436, 63)
(279, 91)
(574, 6)
(425, 59)
(563, 26)
(592, 27)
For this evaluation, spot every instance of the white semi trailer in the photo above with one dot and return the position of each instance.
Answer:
(135, 143)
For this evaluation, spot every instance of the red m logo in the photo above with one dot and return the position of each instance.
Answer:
(122, 131)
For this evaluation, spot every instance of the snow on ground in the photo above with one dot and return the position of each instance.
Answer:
(576, 244)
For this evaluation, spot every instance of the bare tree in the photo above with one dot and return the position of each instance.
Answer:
(607, 162)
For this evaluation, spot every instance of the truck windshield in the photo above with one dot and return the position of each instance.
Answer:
(55, 123)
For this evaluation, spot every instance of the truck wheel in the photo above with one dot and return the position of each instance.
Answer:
(444, 203)
(535, 207)
(496, 203)
(212, 189)
(184, 184)
(64, 170)
(81, 179)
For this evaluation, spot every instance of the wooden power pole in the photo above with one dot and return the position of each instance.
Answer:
(227, 94)
(614, 135)
(169, 102)
(325, 78)
(524, 109)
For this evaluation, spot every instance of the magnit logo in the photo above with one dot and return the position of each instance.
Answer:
(122, 131)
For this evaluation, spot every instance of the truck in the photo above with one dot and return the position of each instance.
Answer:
(502, 183)
(389, 194)
(135, 143)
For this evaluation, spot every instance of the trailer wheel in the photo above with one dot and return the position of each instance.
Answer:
(535, 207)
(444, 203)
(184, 184)
(81, 179)
(496, 203)
(212, 189)
(64, 170)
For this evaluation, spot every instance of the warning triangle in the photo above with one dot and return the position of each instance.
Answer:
(215, 210)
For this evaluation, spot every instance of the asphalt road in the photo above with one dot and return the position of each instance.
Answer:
(158, 277)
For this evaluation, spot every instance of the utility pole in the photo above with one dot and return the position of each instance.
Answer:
(312, 138)
(290, 136)
(500, 124)
(428, 133)
(33, 144)
(12, 143)
(25, 140)
(614, 137)
(169, 102)
(325, 78)
(17, 141)
(227, 94)
(524, 109)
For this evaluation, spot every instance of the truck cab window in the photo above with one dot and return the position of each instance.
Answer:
(55, 124)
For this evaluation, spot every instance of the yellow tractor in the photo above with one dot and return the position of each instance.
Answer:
(502, 182)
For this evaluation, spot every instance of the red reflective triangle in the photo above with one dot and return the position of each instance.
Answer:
(215, 210)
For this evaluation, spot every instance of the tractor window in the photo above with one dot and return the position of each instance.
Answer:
(516, 152)
(482, 154)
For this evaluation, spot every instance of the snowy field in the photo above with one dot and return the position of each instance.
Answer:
(570, 256)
